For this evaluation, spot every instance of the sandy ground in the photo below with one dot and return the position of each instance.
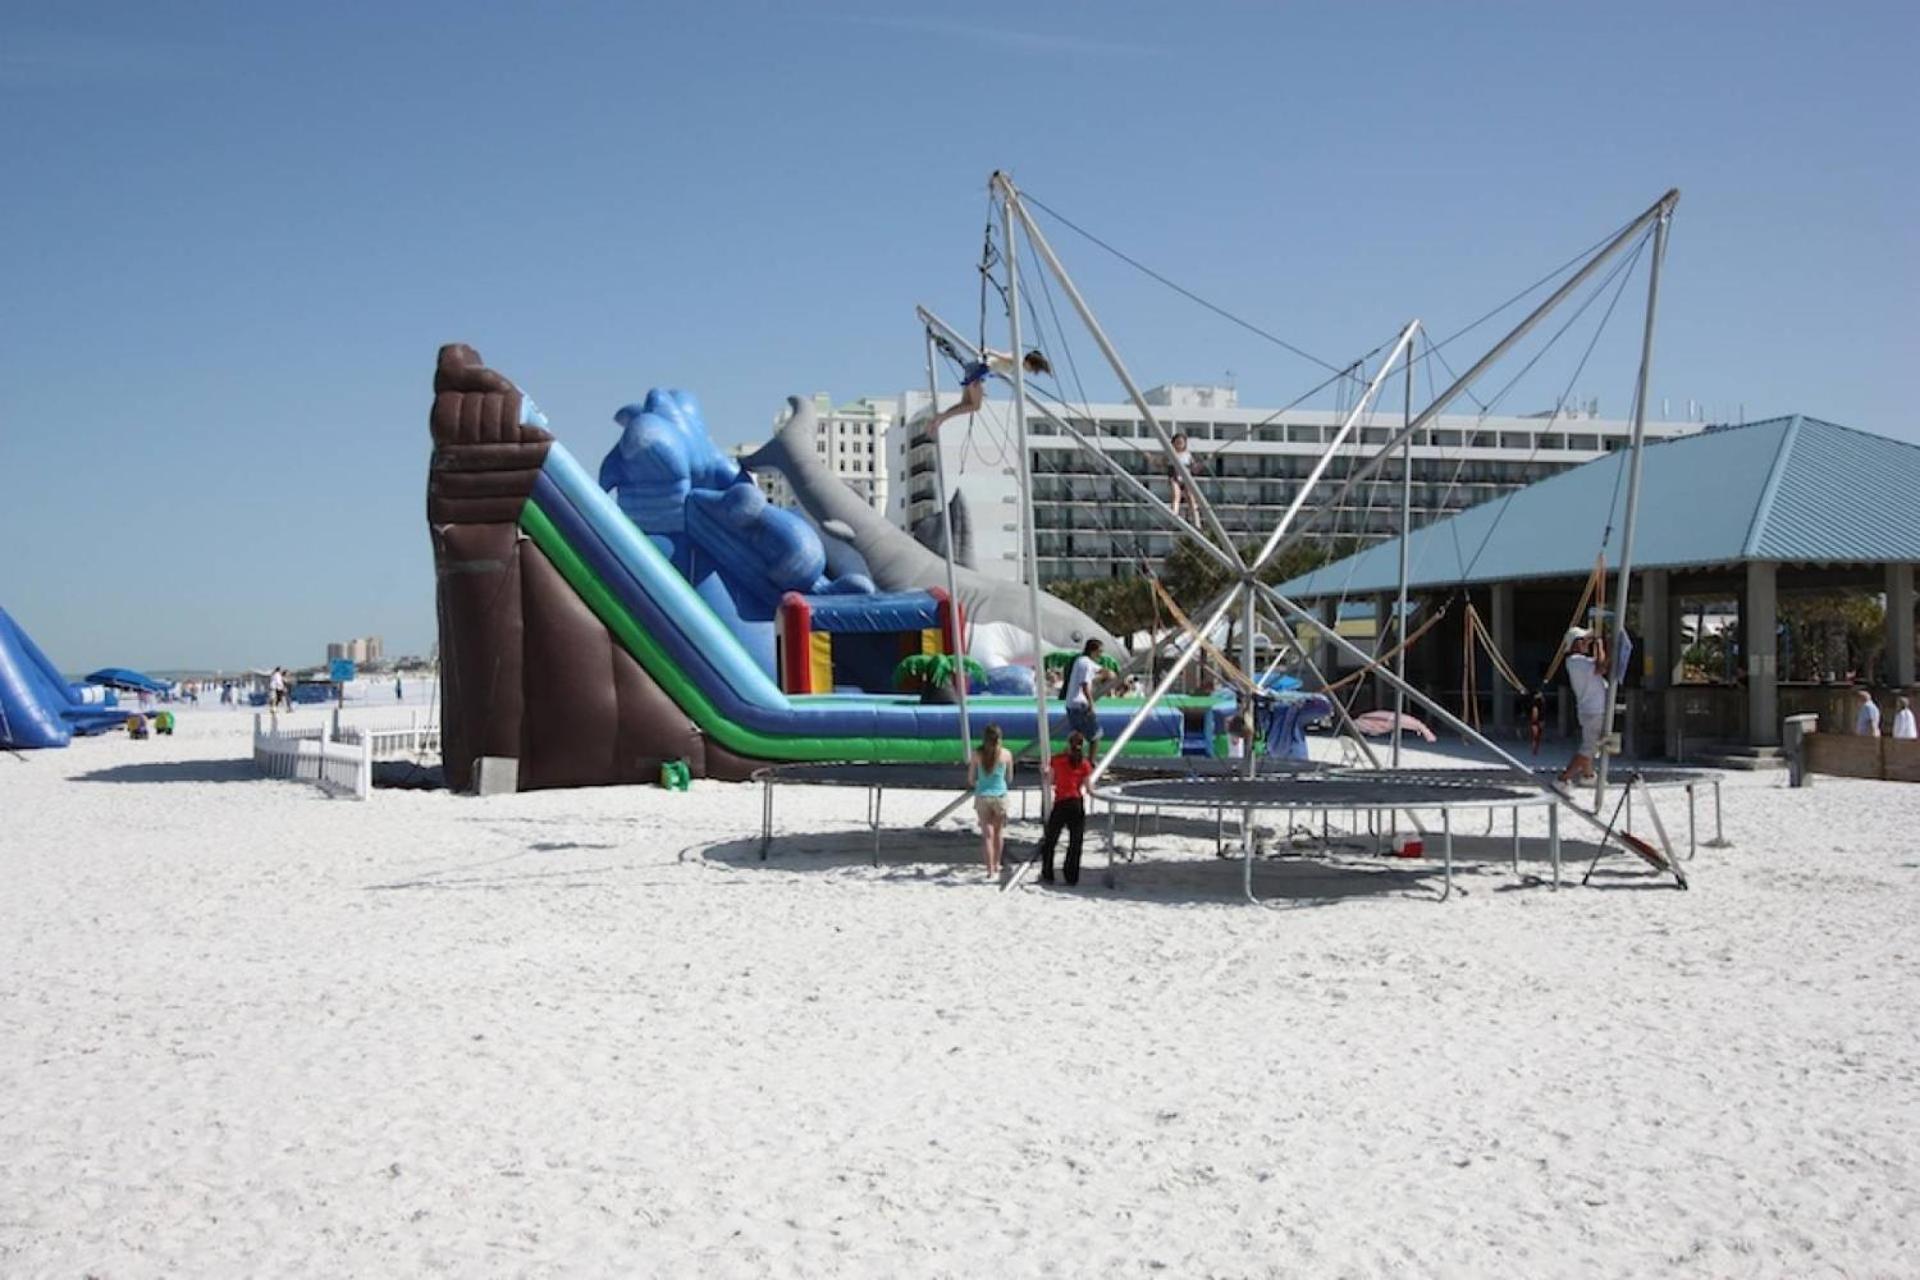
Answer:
(245, 1029)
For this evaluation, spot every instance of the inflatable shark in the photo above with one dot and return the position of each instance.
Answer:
(997, 609)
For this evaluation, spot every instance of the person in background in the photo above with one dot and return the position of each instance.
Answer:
(1586, 663)
(399, 694)
(276, 690)
(1081, 692)
(1071, 769)
(988, 771)
(1866, 720)
(1903, 725)
(1536, 719)
(1238, 731)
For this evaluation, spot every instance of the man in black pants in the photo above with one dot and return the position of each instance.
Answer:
(1071, 769)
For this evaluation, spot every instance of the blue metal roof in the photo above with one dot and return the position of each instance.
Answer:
(1790, 489)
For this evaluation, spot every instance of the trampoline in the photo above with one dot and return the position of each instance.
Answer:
(876, 778)
(1320, 792)
(1656, 779)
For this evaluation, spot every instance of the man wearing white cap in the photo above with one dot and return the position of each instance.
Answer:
(1586, 663)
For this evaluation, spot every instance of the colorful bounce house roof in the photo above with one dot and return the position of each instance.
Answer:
(37, 705)
(130, 681)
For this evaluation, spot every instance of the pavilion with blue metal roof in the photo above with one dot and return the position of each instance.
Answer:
(1742, 512)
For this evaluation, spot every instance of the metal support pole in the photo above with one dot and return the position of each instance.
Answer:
(1252, 762)
(1632, 519)
(1446, 845)
(1128, 481)
(1053, 263)
(1553, 840)
(946, 530)
(1187, 655)
(1406, 535)
(1516, 840)
(1030, 539)
(1361, 474)
(766, 818)
(1693, 841)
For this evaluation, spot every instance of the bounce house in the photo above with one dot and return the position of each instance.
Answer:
(38, 708)
(594, 628)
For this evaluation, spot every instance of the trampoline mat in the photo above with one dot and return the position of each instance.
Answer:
(1508, 778)
(909, 776)
(1309, 792)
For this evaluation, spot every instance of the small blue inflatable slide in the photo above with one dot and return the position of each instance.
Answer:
(38, 708)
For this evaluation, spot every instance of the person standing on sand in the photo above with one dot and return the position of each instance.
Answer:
(1903, 725)
(1071, 769)
(1080, 693)
(1586, 660)
(276, 690)
(988, 771)
(1866, 720)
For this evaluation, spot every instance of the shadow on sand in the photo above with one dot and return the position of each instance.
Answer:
(176, 771)
(1284, 875)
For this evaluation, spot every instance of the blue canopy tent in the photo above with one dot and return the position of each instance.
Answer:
(128, 681)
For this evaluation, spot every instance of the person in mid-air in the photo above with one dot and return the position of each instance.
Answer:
(973, 382)
(1181, 492)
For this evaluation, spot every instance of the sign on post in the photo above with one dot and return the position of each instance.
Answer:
(341, 670)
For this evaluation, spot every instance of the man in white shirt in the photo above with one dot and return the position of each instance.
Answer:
(1903, 725)
(1080, 694)
(1586, 663)
(1866, 721)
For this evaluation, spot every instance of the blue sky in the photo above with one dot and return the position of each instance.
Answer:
(235, 235)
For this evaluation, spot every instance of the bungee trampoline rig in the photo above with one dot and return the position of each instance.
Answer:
(1245, 786)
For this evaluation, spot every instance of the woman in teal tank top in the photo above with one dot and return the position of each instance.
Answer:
(989, 770)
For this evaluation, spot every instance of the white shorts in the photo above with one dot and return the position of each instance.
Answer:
(1591, 727)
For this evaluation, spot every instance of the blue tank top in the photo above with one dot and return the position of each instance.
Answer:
(991, 783)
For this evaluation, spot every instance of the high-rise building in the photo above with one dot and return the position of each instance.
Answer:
(1251, 464)
(850, 440)
(359, 651)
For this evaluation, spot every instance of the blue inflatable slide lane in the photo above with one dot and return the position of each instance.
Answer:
(37, 706)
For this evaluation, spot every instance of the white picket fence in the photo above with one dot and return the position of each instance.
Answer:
(340, 766)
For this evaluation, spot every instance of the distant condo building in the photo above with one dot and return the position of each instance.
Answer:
(1252, 463)
(359, 651)
(850, 440)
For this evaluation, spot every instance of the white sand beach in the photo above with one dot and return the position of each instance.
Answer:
(248, 1030)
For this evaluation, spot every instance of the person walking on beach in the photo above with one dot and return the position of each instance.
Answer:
(1071, 769)
(1080, 691)
(1586, 660)
(399, 694)
(1866, 721)
(988, 772)
(276, 690)
(1903, 725)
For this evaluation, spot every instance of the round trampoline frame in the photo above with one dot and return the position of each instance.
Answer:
(1288, 786)
(1299, 796)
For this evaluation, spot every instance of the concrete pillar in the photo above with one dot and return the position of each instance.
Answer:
(1656, 629)
(1657, 634)
(1500, 623)
(1900, 624)
(1761, 615)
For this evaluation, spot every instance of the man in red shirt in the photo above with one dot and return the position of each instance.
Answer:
(1071, 769)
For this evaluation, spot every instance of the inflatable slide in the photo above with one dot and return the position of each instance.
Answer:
(571, 642)
(38, 708)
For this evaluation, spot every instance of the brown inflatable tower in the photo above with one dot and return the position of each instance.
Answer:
(527, 671)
